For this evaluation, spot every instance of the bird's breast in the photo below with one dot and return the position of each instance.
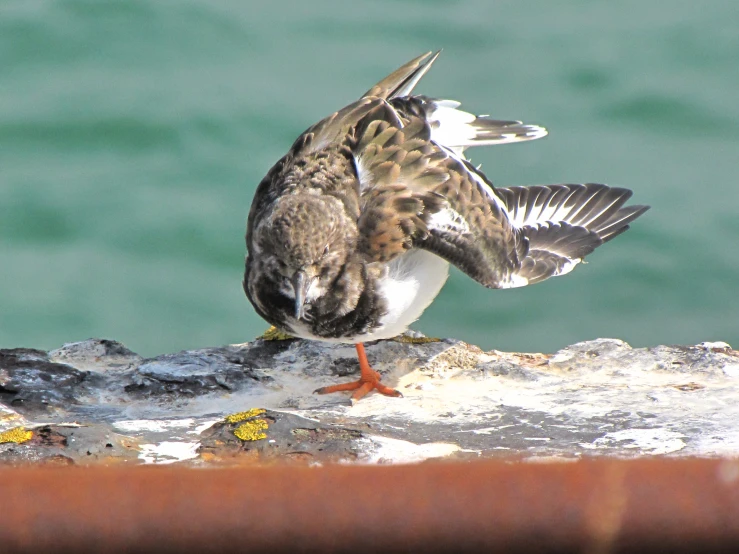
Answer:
(410, 284)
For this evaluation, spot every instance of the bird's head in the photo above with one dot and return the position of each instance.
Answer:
(303, 246)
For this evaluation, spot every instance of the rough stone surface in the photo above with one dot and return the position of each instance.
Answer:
(95, 401)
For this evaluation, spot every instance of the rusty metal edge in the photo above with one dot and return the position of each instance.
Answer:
(600, 505)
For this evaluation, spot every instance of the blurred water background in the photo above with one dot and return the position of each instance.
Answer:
(133, 134)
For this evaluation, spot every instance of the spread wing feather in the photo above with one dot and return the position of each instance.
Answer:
(416, 193)
(564, 223)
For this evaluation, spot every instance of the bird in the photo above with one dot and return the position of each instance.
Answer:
(350, 235)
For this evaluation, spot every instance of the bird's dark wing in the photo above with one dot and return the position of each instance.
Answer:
(416, 193)
(333, 129)
(332, 133)
(402, 81)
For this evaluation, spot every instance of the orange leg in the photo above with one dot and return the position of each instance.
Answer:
(368, 379)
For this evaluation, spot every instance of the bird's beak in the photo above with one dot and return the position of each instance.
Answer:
(301, 284)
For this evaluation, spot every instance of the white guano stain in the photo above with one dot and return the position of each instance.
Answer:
(169, 452)
(155, 425)
(395, 451)
(647, 441)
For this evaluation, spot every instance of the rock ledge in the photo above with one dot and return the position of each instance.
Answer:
(96, 401)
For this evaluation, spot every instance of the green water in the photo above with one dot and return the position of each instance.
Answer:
(133, 134)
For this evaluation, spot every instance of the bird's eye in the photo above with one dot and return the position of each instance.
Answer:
(326, 250)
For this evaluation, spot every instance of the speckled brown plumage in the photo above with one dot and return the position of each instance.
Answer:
(339, 226)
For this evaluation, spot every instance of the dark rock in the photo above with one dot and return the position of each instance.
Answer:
(266, 434)
(70, 444)
(193, 373)
(30, 383)
(96, 355)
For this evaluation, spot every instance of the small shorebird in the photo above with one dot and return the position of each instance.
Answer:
(350, 234)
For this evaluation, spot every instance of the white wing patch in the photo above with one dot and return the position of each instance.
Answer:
(514, 281)
(457, 129)
(523, 215)
(553, 209)
(452, 126)
(448, 220)
(569, 266)
(365, 177)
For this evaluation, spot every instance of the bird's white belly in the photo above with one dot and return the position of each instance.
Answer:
(412, 282)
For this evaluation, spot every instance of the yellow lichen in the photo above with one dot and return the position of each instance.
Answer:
(241, 416)
(17, 435)
(252, 430)
(405, 339)
(273, 333)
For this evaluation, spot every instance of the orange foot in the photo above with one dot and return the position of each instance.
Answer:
(369, 379)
